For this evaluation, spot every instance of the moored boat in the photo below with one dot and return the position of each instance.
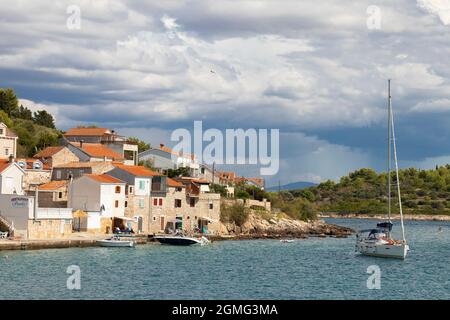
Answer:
(116, 242)
(378, 241)
(180, 240)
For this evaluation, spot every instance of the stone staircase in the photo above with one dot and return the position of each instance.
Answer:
(7, 225)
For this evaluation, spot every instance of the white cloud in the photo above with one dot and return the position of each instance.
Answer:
(440, 8)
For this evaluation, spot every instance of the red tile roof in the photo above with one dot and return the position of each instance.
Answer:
(53, 185)
(98, 150)
(173, 183)
(138, 171)
(48, 152)
(87, 132)
(104, 178)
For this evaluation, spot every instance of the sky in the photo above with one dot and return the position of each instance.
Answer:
(317, 71)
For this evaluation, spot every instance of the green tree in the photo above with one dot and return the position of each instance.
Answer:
(9, 102)
(5, 119)
(142, 145)
(44, 118)
(24, 113)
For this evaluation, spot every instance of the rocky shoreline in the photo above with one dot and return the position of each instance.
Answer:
(257, 227)
(413, 217)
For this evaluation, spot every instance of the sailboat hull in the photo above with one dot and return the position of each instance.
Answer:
(398, 251)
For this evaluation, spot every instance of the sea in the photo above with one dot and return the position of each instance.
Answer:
(313, 268)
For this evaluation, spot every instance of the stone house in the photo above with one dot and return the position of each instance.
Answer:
(53, 156)
(75, 170)
(8, 142)
(107, 138)
(53, 194)
(36, 173)
(141, 184)
(94, 152)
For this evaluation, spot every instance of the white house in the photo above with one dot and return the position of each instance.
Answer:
(102, 193)
(11, 178)
(8, 142)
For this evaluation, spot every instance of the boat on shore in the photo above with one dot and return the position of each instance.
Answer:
(116, 242)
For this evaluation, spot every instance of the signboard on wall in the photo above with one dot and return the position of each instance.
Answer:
(19, 202)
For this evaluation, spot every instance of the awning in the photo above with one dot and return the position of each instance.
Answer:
(208, 219)
(125, 218)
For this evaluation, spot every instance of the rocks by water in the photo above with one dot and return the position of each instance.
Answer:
(257, 227)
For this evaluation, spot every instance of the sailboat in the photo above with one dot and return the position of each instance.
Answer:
(378, 241)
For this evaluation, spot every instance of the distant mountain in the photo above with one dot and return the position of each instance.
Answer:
(292, 186)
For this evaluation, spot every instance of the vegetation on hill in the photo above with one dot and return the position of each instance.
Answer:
(365, 192)
(36, 130)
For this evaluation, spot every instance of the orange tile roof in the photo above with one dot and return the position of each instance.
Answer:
(53, 185)
(48, 152)
(138, 171)
(104, 178)
(87, 132)
(81, 164)
(173, 183)
(98, 150)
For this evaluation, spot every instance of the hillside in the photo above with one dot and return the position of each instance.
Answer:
(292, 186)
(364, 192)
(36, 131)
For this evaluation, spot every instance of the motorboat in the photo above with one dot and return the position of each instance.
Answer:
(116, 242)
(181, 240)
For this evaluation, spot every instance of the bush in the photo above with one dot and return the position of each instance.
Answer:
(236, 213)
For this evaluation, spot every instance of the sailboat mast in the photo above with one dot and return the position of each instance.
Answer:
(396, 169)
(389, 152)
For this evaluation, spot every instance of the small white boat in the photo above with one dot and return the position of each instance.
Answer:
(116, 242)
(286, 240)
(378, 242)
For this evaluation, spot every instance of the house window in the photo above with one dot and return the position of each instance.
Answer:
(192, 202)
(58, 174)
(141, 203)
(117, 189)
(1, 131)
(155, 202)
(126, 204)
(179, 189)
(116, 203)
(211, 206)
(141, 185)
(160, 201)
(59, 195)
(131, 189)
(177, 203)
(6, 152)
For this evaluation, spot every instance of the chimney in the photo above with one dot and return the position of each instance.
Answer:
(81, 144)
(11, 158)
(161, 145)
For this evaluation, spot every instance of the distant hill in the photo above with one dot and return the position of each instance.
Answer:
(292, 186)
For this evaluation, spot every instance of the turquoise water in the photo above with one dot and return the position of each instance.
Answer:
(313, 268)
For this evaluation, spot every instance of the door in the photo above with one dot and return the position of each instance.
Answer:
(140, 223)
(163, 225)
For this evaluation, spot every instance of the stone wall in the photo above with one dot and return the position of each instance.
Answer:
(49, 228)
(63, 157)
(34, 177)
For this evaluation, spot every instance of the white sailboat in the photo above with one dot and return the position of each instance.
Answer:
(378, 241)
